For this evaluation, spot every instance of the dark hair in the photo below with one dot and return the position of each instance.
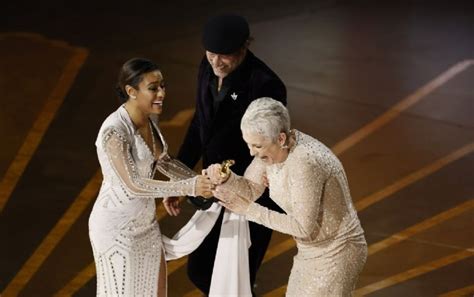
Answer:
(132, 74)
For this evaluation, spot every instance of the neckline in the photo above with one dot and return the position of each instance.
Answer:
(152, 127)
(129, 119)
(152, 150)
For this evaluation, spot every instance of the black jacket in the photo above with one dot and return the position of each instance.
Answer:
(215, 135)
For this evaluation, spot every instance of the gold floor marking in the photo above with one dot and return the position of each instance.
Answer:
(278, 249)
(176, 264)
(39, 38)
(79, 281)
(414, 272)
(459, 292)
(193, 293)
(41, 124)
(422, 226)
(278, 292)
(414, 177)
(54, 237)
(395, 111)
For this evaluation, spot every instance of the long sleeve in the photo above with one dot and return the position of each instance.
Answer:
(250, 185)
(174, 169)
(305, 187)
(117, 149)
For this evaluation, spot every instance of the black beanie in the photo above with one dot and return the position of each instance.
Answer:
(225, 34)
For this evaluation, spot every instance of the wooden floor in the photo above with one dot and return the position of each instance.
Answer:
(388, 86)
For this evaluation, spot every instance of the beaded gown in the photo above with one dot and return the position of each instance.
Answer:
(124, 234)
(311, 187)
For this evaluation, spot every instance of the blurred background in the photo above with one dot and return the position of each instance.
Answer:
(388, 85)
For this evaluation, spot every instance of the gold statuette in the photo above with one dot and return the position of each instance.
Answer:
(225, 172)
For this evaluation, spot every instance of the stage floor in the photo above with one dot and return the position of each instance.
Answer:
(388, 86)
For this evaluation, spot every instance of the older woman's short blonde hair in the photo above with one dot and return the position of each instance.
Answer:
(267, 117)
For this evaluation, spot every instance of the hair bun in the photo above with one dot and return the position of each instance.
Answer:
(121, 94)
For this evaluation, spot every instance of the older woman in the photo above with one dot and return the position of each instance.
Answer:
(308, 182)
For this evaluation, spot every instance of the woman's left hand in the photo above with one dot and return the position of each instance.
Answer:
(231, 200)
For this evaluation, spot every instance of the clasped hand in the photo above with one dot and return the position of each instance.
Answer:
(227, 197)
(203, 187)
(210, 184)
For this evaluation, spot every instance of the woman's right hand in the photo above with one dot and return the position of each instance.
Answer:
(214, 173)
(203, 187)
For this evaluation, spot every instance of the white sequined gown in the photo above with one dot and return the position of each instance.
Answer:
(123, 230)
(311, 187)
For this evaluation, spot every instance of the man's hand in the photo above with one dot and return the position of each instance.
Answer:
(171, 205)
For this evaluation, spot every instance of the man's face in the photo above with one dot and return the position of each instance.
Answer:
(223, 65)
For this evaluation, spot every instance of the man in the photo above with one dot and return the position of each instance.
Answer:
(229, 78)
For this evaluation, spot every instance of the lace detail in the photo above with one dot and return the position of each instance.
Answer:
(174, 169)
(125, 170)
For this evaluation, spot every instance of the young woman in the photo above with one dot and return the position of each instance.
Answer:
(123, 230)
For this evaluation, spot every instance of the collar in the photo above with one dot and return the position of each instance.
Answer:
(126, 117)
